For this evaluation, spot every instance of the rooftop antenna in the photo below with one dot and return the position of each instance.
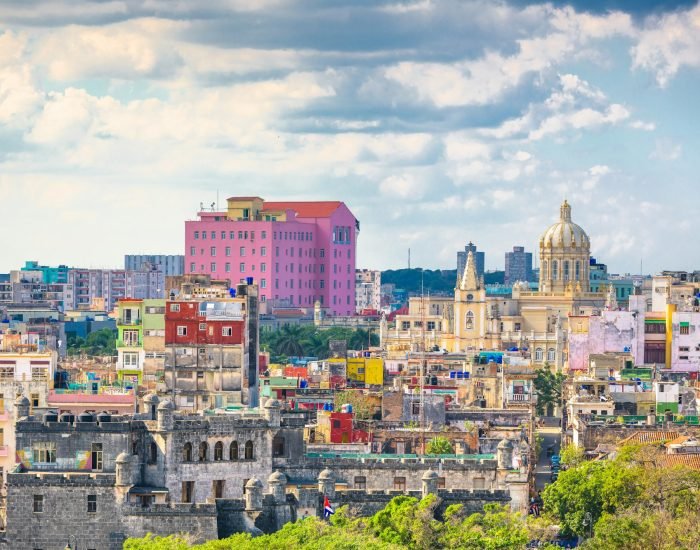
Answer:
(409, 258)
(422, 363)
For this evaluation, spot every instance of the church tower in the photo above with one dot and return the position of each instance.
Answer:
(470, 321)
(565, 253)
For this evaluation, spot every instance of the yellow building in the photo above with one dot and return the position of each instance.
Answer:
(538, 321)
(367, 370)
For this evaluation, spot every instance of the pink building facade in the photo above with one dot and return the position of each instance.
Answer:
(296, 252)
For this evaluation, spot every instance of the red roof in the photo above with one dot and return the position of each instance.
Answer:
(319, 209)
(393, 314)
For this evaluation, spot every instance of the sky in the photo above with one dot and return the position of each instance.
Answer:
(436, 122)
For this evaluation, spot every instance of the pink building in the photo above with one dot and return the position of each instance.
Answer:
(297, 252)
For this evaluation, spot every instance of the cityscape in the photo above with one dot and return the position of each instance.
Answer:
(437, 295)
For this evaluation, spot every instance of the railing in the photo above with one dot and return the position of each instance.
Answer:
(129, 343)
(129, 322)
(522, 397)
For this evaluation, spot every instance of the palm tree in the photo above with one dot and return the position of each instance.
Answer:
(289, 341)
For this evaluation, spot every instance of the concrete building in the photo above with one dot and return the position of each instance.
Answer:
(25, 371)
(98, 479)
(140, 341)
(111, 285)
(518, 266)
(49, 275)
(479, 259)
(368, 294)
(297, 252)
(170, 264)
(212, 349)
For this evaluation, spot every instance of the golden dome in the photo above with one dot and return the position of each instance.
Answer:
(565, 233)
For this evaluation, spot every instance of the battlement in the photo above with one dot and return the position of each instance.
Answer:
(62, 479)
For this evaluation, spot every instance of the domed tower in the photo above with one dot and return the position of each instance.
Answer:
(565, 252)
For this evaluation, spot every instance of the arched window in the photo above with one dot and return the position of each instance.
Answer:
(278, 446)
(577, 269)
(152, 453)
(566, 270)
(233, 451)
(538, 355)
(249, 450)
(203, 450)
(555, 270)
(187, 452)
(469, 320)
(545, 265)
(551, 354)
(219, 451)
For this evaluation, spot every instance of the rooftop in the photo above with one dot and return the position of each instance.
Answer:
(316, 209)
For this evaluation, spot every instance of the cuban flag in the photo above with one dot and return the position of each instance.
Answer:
(327, 508)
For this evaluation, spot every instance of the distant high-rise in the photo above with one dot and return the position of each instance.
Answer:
(479, 259)
(518, 265)
(172, 265)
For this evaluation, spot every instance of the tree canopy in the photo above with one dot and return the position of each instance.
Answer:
(100, 342)
(310, 341)
(548, 387)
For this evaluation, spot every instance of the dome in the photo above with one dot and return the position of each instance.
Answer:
(272, 404)
(123, 458)
(22, 400)
(277, 477)
(565, 233)
(430, 474)
(325, 474)
(254, 483)
(166, 405)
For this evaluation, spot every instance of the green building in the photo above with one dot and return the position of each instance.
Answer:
(140, 341)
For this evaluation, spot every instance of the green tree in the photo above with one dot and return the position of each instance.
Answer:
(572, 455)
(439, 446)
(362, 405)
(548, 387)
(289, 341)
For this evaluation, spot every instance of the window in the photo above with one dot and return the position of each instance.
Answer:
(213, 251)
(654, 352)
(187, 491)
(469, 320)
(213, 267)
(360, 483)
(399, 483)
(193, 251)
(96, 456)
(539, 355)
(218, 452)
(182, 331)
(249, 450)
(187, 452)
(192, 267)
(232, 235)
(227, 331)
(322, 253)
(655, 328)
(577, 270)
(405, 325)
(38, 504)
(233, 451)
(263, 283)
(92, 504)
(203, 451)
(242, 267)
(242, 251)
(204, 235)
(544, 270)
(7, 373)
(213, 235)
(44, 452)
(566, 270)
(681, 348)
(263, 251)
(555, 270)
(431, 325)
(415, 409)
(278, 446)
(218, 488)
(263, 267)
(516, 327)
(202, 326)
(684, 329)
(174, 308)
(227, 251)
(551, 354)
(196, 234)
(153, 453)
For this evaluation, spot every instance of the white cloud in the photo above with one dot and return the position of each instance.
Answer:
(666, 149)
(404, 186)
(642, 125)
(668, 43)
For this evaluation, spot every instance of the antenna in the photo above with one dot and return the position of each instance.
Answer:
(422, 363)
(409, 258)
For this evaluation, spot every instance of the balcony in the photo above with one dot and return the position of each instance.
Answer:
(519, 397)
(130, 343)
(129, 322)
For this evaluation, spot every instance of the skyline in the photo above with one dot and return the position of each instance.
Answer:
(437, 123)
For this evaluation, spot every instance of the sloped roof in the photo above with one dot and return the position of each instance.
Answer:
(689, 460)
(315, 209)
(649, 436)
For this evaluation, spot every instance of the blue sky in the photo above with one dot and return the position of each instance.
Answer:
(437, 122)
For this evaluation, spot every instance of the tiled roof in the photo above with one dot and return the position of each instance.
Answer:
(678, 440)
(318, 209)
(689, 460)
(649, 436)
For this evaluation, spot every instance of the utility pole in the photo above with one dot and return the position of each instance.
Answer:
(423, 363)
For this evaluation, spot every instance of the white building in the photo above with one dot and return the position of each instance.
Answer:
(368, 293)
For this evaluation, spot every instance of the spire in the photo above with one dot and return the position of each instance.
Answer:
(470, 281)
(565, 212)
(611, 299)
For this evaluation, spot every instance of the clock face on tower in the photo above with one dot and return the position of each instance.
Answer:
(470, 297)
